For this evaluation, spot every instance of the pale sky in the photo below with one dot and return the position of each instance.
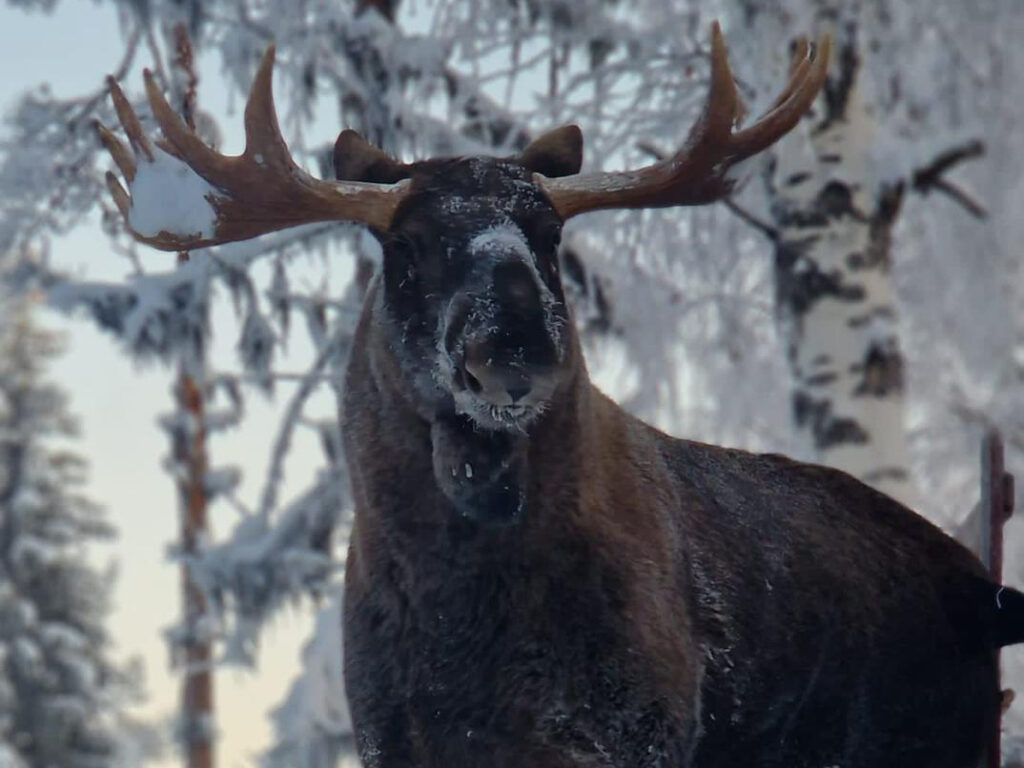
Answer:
(117, 403)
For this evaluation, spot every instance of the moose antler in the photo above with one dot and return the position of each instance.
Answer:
(262, 190)
(696, 174)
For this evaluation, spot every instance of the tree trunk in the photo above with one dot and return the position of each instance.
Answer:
(199, 731)
(833, 241)
(197, 689)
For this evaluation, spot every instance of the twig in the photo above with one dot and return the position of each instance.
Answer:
(118, 74)
(763, 227)
(154, 51)
(185, 61)
(275, 472)
(929, 178)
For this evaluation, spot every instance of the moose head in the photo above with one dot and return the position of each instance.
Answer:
(471, 293)
(471, 305)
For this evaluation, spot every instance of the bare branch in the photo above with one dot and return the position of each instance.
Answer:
(930, 177)
(747, 217)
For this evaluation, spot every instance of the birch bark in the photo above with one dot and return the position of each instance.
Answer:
(834, 291)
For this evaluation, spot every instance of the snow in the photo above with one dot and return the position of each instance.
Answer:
(314, 726)
(222, 480)
(64, 636)
(502, 238)
(9, 758)
(168, 196)
(29, 549)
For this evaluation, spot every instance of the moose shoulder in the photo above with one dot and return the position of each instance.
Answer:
(536, 578)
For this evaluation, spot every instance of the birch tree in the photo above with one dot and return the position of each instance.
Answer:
(833, 229)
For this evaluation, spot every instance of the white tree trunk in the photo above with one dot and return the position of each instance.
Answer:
(835, 293)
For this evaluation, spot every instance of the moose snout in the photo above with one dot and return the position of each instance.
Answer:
(516, 288)
(496, 383)
(500, 339)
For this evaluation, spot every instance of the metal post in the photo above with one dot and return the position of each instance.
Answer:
(996, 507)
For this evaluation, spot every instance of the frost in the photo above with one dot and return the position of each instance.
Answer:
(313, 725)
(256, 345)
(168, 196)
(221, 481)
(263, 564)
(9, 758)
(27, 653)
(35, 551)
(502, 238)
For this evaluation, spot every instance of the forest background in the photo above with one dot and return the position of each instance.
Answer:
(858, 302)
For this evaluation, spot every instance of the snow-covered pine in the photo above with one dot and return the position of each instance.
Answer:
(60, 692)
(313, 727)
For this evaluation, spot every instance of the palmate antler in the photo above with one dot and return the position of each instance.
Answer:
(696, 174)
(262, 190)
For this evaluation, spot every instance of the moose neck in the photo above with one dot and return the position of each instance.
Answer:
(409, 465)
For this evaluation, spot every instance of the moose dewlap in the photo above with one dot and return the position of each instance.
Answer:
(536, 579)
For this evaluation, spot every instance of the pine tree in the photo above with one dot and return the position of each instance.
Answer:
(58, 688)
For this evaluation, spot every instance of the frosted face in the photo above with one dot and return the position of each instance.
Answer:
(471, 286)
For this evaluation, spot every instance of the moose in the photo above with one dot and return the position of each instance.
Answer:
(538, 579)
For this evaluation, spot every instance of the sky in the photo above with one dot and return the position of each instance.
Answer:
(117, 403)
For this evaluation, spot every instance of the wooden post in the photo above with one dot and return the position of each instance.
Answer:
(996, 507)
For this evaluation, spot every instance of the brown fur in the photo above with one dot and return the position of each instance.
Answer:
(651, 601)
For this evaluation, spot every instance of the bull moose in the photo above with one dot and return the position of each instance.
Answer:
(537, 579)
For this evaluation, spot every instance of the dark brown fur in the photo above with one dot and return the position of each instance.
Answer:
(653, 602)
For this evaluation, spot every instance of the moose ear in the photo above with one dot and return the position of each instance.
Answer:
(356, 159)
(556, 153)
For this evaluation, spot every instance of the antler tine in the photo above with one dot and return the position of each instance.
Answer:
(781, 119)
(264, 143)
(697, 173)
(798, 67)
(129, 120)
(117, 150)
(209, 164)
(121, 199)
(722, 106)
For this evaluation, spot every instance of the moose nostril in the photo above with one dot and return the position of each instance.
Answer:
(517, 393)
(472, 382)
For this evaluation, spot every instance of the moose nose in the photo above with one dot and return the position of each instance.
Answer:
(516, 286)
(497, 384)
(517, 393)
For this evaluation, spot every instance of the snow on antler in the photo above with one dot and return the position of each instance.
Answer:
(168, 196)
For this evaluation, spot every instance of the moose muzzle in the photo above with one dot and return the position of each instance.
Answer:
(503, 340)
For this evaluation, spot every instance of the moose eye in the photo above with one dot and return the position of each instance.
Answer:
(405, 248)
(548, 238)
